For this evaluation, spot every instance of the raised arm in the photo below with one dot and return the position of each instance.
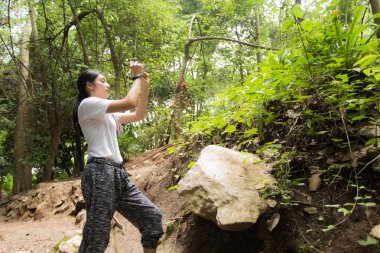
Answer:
(131, 100)
(141, 109)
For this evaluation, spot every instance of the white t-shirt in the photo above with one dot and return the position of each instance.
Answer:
(99, 128)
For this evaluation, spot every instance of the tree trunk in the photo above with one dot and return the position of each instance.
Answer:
(79, 152)
(258, 34)
(177, 97)
(240, 54)
(51, 103)
(80, 34)
(375, 5)
(78, 155)
(114, 58)
(22, 178)
(55, 131)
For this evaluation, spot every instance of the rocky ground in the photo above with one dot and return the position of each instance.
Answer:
(37, 220)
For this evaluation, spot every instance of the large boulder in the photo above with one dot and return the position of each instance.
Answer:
(223, 187)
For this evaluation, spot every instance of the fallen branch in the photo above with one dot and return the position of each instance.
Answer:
(374, 159)
(143, 158)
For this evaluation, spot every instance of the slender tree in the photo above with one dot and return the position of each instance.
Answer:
(79, 153)
(115, 60)
(22, 177)
(258, 33)
(80, 34)
(51, 101)
(375, 5)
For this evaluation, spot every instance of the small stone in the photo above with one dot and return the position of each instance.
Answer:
(58, 204)
(311, 210)
(375, 231)
(302, 197)
(260, 186)
(80, 216)
(183, 227)
(314, 182)
(273, 221)
(66, 248)
(271, 203)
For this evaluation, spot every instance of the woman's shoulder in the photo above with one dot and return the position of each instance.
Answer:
(93, 105)
(92, 99)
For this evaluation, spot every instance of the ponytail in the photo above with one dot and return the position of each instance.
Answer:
(87, 76)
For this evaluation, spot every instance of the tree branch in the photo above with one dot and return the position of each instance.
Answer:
(192, 40)
(72, 23)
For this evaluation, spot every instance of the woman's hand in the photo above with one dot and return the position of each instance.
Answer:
(136, 68)
(146, 76)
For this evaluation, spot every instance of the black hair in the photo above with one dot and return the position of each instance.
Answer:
(86, 76)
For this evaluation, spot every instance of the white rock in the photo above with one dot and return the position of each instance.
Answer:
(71, 245)
(72, 233)
(221, 187)
(375, 231)
(75, 240)
(66, 247)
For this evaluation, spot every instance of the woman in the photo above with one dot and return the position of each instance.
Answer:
(105, 184)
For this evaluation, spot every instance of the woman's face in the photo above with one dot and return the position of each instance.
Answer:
(100, 87)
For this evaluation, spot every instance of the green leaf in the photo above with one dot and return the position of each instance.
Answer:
(377, 15)
(370, 241)
(289, 22)
(344, 78)
(307, 25)
(172, 187)
(230, 129)
(360, 117)
(329, 227)
(366, 60)
(297, 11)
(171, 150)
(344, 211)
(250, 132)
(190, 165)
(249, 121)
(372, 141)
(368, 204)
(334, 206)
(269, 119)
(219, 122)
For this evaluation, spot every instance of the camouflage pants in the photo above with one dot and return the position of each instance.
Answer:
(106, 189)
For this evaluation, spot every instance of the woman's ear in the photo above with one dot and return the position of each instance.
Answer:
(89, 87)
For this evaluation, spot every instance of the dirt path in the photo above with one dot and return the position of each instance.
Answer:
(150, 173)
(33, 236)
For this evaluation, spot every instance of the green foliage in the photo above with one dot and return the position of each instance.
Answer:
(7, 184)
(318, 76)
(151, 133)
(5, 162)
(370, 241)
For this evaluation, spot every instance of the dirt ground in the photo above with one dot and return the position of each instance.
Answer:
(33, 236)
(150, 173)
(297, 230)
